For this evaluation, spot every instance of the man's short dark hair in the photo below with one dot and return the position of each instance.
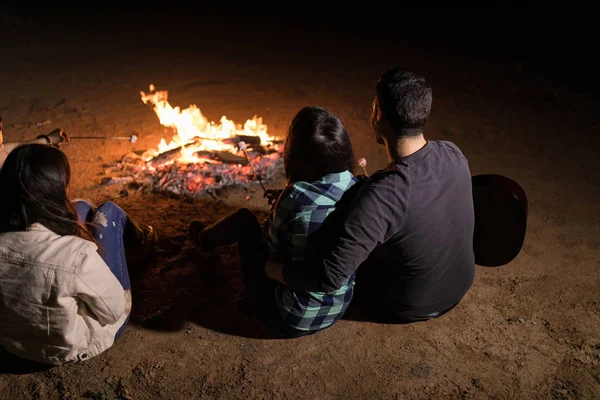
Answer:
(404, 97)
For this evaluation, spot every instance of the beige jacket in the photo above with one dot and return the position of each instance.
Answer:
(59, 302)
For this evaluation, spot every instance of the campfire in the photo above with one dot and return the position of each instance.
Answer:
(202, 156)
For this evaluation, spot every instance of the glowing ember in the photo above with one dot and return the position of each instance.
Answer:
(202, 156)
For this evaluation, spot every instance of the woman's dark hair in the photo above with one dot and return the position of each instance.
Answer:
(34, 181)
(317, 144)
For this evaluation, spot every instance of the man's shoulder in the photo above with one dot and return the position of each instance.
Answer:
(448, 146)
(390, 175)
(388, 184)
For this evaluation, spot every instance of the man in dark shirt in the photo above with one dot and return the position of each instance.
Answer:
(412, 221)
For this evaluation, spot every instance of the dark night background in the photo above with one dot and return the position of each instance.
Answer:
(557, 42)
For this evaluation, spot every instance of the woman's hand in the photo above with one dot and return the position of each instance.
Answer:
(272, 195)
(56, 137)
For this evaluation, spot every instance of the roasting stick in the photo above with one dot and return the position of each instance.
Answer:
(131, 139)
(242, 146)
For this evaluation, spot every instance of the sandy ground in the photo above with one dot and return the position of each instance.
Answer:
(529, 329)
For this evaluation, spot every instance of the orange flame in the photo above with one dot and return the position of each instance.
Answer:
(194, 132)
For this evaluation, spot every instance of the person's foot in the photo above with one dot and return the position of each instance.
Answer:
(150, 240)
(194, 233)
(146, 248)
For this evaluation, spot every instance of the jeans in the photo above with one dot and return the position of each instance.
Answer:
(242, 227)
(109, 225)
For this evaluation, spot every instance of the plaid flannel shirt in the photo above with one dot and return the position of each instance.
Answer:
(300, 211)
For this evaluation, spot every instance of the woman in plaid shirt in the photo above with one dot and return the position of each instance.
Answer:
(319, 161)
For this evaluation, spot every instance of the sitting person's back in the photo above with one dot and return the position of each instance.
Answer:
(426, 263)
(318, 160)
(301, 211)
(59, 301)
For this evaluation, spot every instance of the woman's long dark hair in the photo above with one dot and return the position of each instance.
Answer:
(317, 144)
(34, 181)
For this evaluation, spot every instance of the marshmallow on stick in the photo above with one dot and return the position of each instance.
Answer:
(363, 164)
(242, 146)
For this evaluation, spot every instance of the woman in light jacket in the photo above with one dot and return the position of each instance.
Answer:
(65, 294)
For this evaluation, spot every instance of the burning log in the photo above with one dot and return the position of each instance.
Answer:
(251, 141)
(167, 156)
(174, 154)
(224, 156)
(230, 158)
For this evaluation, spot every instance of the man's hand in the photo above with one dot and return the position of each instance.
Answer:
(272, 195)
(274, 271)
(56, 137)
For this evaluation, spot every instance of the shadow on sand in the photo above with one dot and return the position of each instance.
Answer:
(183, 285)
(10, 364)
